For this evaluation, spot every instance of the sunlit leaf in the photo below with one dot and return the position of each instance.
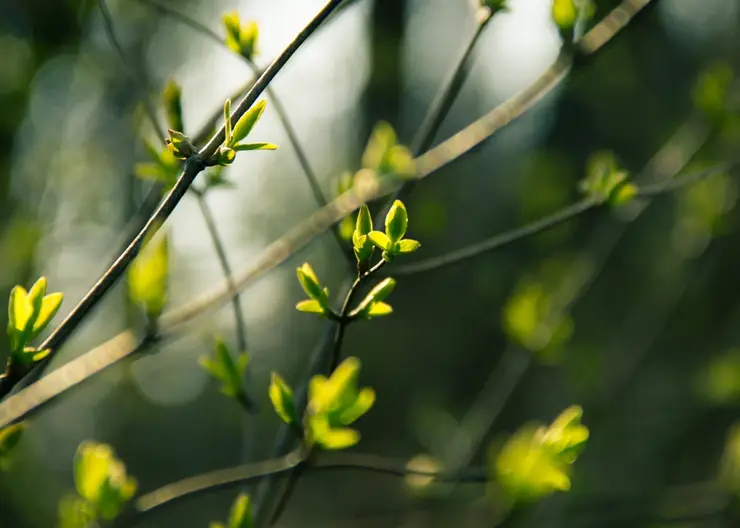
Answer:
(255, 146)
(396, 221)
(379, 239)
(148, 277)
(9, 438)
(310, 306)
(408, 246)
(245, 125)
(281, 397)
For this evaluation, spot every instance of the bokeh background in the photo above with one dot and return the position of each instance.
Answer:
(633, 313)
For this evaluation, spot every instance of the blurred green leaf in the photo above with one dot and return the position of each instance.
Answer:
(9, 438)
(281, 397)
(224, 368)
(172, 100)
(246, 123)
(148, 277)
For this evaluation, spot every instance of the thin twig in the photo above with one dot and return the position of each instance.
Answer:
(138, 79)
(426, 164)
(440, 107)
(280, 112)
(567, 213)
(193, 166)
(319, 221)
(341, 327)
(223, 259)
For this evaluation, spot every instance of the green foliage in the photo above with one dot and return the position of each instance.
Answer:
(384, 155)
(164, 167)
(318, 302)
(711, 90)
(281, 396)
(29, 313)
(565, 13)
(76, 512)
(536, 461)
(9, 438)
(729, 473)
(719, 382)
(172, 102)
(372, 305)
(536, 315)
(101, 482)
(227, 152)
(240, 516)
(179, 145)
(222, 366)
(362, 245)
(148, 277)
(241, 39)
(392, 242)
(334, 403)
(605, 182)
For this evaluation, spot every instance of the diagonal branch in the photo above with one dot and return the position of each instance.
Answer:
(280, 111)
(192, 167)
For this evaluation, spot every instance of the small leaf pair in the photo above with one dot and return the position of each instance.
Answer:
(605, 182)
(392, 242)
(148, 277)
(227, 152)
(372, 305)
(384, 155)
(241, 39)
(536, 460)
(333, 404)
(29, 312)
(240, 515)
(318, 301)
(362, 245)
(179, 145)
(101, 480)
(228, 371)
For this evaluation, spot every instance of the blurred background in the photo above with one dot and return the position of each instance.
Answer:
(632, 313)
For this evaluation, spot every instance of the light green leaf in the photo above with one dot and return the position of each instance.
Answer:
(379, 239)
(281, 397)
(20, 310)
(227, 122)
(172, 100)
(91, 467)
(75, 512)
(255, 146)
(241, 512)
(36, 294)
(338, 438)
(408, 246)
(396, 222)
(49, 307)
(363, 403)
(147, 277)
(310, 283)
(248, 120)
(310, 306)
(379, 309)
(233, 30)
(364, 221)
(9, 438)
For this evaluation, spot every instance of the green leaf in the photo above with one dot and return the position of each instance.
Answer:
(172, 99)
(396, 222)
(381, 290)
(225, 155)
(311, 285)
(50, 305)
(281, 397)
(245, 125)
(36, 294)
(241, 512)
(623, 194)
(379, 239)
(408, 246)
(338, 438)
(364, 402)
(382, 139)
(233, 31)
(255, 146)
(310, 306)
(147, 277)
(101, 478)
(379, 309)
(364, 221)
(20, 312)
(9, 438)
(227, 122)
(75, 512)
